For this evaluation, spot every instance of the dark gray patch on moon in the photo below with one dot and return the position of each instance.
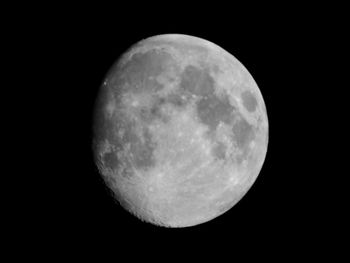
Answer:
(249, 100)
(141, 70)
(243, 132)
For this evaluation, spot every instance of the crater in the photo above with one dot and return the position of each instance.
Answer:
(110, 160)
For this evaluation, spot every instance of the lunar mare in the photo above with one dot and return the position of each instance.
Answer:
(180, 131)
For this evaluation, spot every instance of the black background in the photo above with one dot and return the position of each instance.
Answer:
(70, 56)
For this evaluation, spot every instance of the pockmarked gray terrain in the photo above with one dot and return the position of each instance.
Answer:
(181, 130)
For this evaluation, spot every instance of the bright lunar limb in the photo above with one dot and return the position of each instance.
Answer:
(180, 130)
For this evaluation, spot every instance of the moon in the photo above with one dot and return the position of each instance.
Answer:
(181, 130)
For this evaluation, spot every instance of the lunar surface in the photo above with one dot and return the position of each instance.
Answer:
(181, 130)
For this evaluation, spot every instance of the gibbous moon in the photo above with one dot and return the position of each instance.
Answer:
(181, 130)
